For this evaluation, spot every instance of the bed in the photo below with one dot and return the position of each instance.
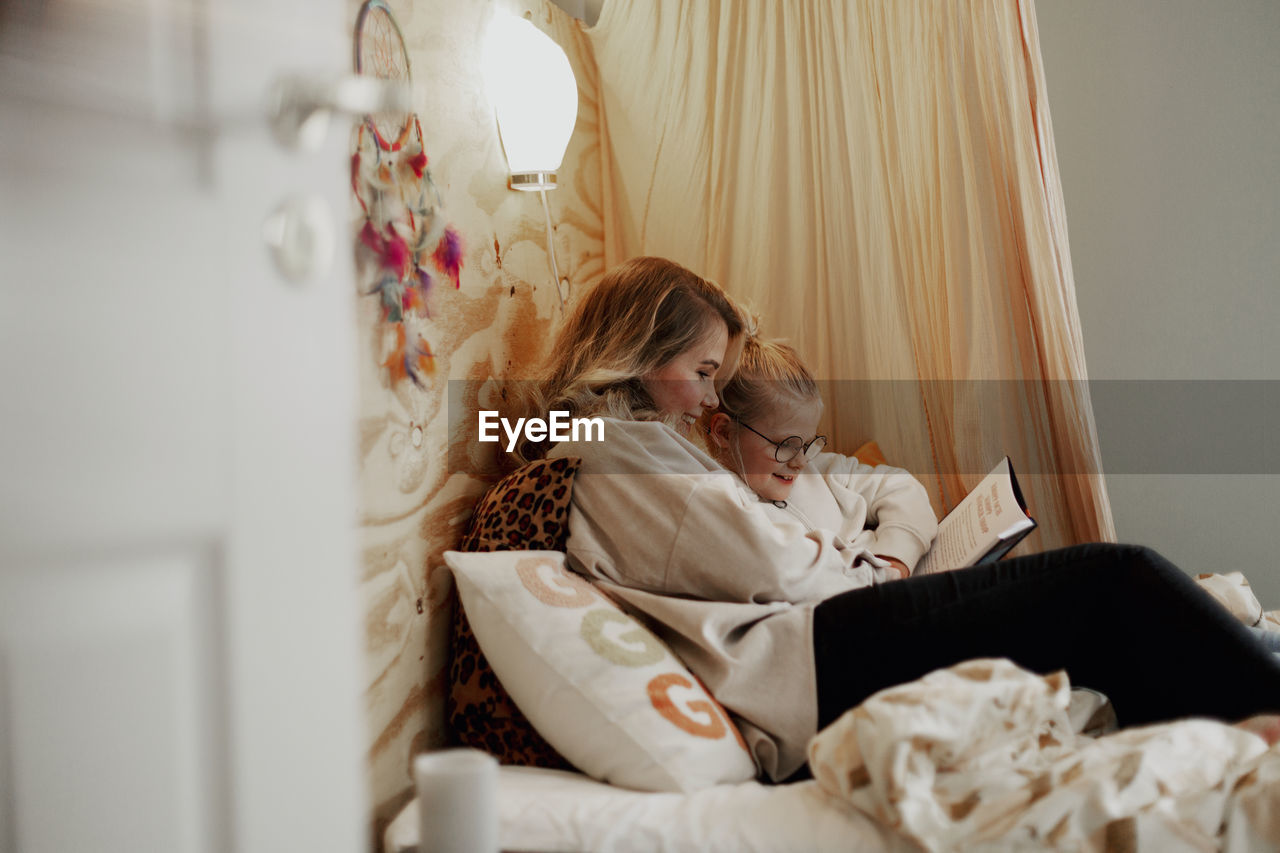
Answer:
(981, 755)
(558, 810)
(945, 778)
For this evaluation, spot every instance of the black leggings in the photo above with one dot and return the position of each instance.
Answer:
(1118, 618)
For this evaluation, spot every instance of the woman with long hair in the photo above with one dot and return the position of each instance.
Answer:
(784, 621)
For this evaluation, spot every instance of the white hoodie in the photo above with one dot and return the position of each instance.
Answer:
(728, 580)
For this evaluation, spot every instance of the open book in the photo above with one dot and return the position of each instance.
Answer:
(983, 527)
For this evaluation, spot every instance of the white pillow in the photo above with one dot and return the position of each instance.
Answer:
(601, 688)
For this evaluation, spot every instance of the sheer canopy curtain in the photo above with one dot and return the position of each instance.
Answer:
(877, 179)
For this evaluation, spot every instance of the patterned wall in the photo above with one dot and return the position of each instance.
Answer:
(494, 324)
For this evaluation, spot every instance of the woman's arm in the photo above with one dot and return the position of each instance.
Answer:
(652, 512)
(728, 540)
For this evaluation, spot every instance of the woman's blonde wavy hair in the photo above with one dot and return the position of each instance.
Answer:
(641, 315)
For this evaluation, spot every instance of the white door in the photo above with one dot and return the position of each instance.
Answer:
(179, 653)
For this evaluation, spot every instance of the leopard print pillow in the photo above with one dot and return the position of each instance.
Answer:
(527, 510)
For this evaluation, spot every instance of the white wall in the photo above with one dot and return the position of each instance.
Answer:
(587, 10)
(1166, 115)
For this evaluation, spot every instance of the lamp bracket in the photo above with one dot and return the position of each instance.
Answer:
(530, 181)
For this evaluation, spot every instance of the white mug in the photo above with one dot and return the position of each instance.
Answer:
(457, 801)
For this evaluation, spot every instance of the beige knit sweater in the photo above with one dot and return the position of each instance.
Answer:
(730, 581)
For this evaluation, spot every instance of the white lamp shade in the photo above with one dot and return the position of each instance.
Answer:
(533, 92)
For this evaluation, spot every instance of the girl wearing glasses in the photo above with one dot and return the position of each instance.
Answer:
(779, 618)
(765, 430)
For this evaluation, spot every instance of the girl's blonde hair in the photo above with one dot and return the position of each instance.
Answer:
(641, 315)
(768, 372)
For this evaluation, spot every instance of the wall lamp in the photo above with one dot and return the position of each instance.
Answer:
(535, 98)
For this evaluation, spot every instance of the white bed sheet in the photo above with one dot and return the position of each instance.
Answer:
(554, 811)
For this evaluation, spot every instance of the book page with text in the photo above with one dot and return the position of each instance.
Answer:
(987, 515)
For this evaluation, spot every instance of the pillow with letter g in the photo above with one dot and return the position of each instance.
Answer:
(600, 687)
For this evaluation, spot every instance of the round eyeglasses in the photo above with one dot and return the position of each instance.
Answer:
(792, 445)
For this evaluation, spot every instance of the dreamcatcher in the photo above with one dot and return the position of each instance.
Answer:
(404, 235)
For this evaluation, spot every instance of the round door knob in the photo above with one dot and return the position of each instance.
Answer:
(301, 236)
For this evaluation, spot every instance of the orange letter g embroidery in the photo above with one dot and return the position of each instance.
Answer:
(561, 588)
(659, 687)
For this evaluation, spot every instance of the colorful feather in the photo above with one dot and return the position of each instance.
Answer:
(448, 256)
(395, 253)
(370, 239)
(390, 291)
(415, 294)
(410, 361)
(418, 162)
(355, 180)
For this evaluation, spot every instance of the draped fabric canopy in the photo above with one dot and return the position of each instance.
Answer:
(877, 180)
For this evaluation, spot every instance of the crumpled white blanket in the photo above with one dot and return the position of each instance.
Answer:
(980, 756)
(1233, 591)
